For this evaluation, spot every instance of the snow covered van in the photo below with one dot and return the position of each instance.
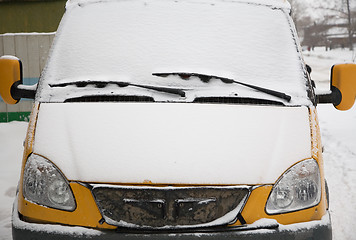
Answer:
(187, 119)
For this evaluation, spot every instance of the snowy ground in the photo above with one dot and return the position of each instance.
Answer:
(11, 139)
(339, 138)
(338, 129)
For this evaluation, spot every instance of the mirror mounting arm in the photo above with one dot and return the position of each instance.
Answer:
(18, 91)
(334, 97)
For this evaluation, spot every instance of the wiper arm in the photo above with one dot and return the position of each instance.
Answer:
(207, 78)
(100, 84)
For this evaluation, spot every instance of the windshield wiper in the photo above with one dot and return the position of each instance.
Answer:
(100, 84)
(206, 78)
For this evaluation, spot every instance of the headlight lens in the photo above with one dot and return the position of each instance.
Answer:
(44, 184)
(298, 188)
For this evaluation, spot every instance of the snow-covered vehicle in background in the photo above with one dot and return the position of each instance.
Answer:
(189, 119)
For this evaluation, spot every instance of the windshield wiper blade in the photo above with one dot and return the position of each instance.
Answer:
(206, 78)
(100, 84)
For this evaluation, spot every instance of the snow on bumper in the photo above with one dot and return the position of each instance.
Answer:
(262, 229)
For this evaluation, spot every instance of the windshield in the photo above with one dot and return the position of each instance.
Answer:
(128, 41)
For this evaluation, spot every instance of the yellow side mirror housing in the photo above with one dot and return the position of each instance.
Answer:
(343, 83)
(10, 72)
(11, 87)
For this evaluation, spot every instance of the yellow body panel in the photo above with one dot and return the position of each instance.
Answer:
(255, 206)
(87, 213)
(255, 209)
(10, 72)
(344, 78)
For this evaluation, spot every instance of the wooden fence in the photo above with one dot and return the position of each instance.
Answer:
(32, 49)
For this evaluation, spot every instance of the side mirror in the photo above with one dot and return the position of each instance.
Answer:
(11, 87)
(343, 79)
(10, 72)
(342, 86)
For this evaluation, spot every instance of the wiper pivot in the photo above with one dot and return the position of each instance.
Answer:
(206, 78)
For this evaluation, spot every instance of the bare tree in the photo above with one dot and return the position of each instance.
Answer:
(350, 27)
(341, 12)
(300, 16)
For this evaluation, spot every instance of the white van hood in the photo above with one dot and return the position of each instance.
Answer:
(170, 143)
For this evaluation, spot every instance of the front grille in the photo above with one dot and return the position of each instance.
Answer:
(169, 207)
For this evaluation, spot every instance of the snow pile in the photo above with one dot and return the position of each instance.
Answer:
(265, 222)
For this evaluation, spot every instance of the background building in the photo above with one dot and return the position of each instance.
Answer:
(27, 29)
(18, 16)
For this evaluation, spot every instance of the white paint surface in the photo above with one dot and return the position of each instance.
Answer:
(172, 143)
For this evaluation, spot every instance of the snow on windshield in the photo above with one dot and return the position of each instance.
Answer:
(129, 40)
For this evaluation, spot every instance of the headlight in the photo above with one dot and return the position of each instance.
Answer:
(298, 188)
(44, 184)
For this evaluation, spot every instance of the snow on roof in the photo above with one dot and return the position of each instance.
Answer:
(273, 3)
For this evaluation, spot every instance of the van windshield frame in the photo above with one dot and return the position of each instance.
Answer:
(258, 49)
